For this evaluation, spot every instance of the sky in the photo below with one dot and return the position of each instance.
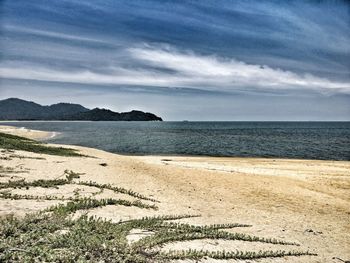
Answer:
(182, 60)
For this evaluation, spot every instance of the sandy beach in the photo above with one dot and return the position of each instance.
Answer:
(28, 133)
(303, 201)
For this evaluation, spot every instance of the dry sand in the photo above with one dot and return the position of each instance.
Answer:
(305, 201)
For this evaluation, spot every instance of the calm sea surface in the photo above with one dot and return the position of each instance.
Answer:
(311, 140)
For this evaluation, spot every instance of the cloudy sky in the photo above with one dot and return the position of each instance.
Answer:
(195, 60)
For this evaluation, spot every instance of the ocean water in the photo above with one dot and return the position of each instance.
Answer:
(307, 140)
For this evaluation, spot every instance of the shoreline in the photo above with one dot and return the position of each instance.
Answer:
(304, 201)
(28, 133)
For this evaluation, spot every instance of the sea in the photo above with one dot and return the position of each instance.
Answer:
(299, 140)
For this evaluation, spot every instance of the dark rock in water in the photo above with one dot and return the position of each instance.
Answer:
(17, 109)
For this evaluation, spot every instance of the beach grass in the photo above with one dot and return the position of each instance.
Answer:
(13, 142)
(70, 176)
(56, 237)
(117, 190)
(52, 235)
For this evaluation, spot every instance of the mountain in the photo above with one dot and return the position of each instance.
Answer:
(17, 109)
(108, 115)
(61, 109)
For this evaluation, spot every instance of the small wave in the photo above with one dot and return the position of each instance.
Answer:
(53, 134)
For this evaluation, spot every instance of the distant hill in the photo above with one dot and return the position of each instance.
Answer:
(17, 109)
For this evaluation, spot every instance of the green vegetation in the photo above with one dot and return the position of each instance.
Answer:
(88, 203)
(17, 109)
(70, 175)
(75, 203)
(199, 254)
(55, 237)
(117, 190)
(25, 157)
(37, 183)
(52, 235)
(13, 142)
(9, 195)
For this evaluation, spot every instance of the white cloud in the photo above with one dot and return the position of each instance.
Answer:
(46, 33)
(188, 70)
(231, 73)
